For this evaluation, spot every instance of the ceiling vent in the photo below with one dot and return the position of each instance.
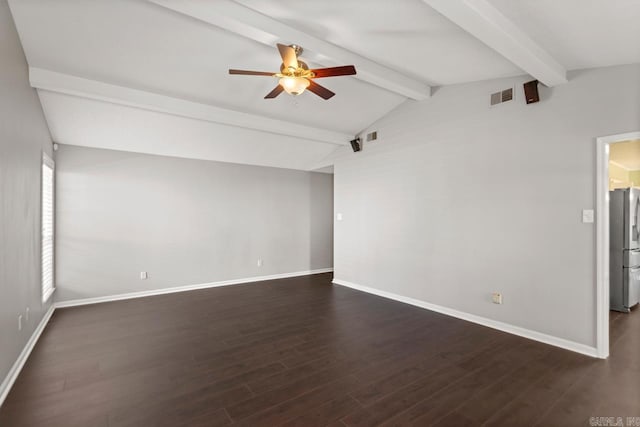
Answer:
(372, 136)
(502, 96)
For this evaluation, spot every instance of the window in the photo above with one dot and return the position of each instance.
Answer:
(47, 226)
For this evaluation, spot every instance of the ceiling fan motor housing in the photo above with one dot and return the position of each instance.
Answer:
(301, 71)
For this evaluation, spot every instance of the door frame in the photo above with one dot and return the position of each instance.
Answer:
(602, 238)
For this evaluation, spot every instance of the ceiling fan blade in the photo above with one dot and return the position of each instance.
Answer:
(321, 91)
(275, 92)
(345, 70)
(288, 55)
(251, 73)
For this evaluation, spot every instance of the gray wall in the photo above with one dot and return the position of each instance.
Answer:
(457, 200)
(23, 137)
(183, 221)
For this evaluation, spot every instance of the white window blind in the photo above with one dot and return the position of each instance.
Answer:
(47, 227)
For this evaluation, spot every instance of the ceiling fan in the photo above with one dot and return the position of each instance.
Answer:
(295, 76)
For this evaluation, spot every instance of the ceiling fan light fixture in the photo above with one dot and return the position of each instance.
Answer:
(294, 85)
(295, 76)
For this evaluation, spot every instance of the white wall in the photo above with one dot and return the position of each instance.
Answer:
(457, 200)
(23, 138)
(183, 221)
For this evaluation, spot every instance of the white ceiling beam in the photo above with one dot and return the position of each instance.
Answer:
(489, 25)
(92, 89)
(254, 25)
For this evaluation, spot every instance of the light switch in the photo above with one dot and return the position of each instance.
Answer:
(338, 217)
(496, 297)
(587, 216)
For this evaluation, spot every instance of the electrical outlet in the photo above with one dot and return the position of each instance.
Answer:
(259, 262)
(20, 322)
(496, 297)
(143, 275)
(27, 314)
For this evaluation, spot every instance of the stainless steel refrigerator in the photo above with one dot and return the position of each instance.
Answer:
(624, 252)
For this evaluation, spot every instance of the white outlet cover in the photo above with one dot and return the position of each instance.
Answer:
(143, 275)
(338, 217)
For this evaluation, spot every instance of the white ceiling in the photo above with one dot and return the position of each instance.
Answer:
(141, 45)
(405, 35)
(580, 33)
(137, 44)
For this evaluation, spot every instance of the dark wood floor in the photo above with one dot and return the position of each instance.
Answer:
(302, 352)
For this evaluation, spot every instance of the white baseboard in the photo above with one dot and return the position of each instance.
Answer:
(501, 326)
(11, 377)
(97, 300)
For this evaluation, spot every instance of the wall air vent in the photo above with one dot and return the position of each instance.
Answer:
(372, 136)
(502, 96)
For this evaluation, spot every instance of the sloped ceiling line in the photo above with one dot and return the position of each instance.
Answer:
(92, 89)
(483, 21)
(249, 23)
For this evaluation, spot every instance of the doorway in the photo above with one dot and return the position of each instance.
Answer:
(603, 183)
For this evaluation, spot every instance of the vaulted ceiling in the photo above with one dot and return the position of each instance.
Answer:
(151, 76)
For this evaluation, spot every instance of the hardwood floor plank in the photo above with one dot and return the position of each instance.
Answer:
(545, 391)
(325, 414)
(404, 398)
(302, 352)
(498, 365)
(304, 403)
(483, 404)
